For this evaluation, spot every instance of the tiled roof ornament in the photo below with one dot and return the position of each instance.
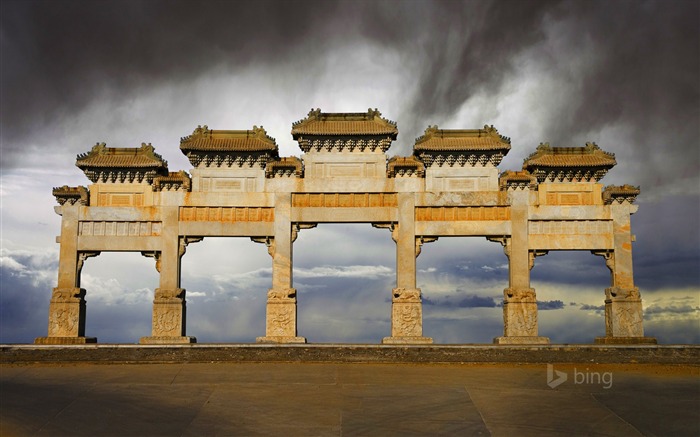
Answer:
(71, 195)
(338, 131)
(285, 167)
(517, 180)
(121, 164)
(620, 194)
(461, 147)
(174, 181)
(569, 164)
(229, 148)
(400, 166)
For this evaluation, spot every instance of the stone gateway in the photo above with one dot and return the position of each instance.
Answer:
(239, 186)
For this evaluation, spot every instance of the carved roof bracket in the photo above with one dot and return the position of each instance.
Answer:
(268, 241)
(534, 254)
(155, 255)
(392, 226)
(420, 241)
(504, 241)
(185, 241)
(296, 227)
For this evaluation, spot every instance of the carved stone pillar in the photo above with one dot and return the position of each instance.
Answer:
(281, 310)
(519, 300)
(623, 303)
(406, 303)
(67, 306)
(169, 305)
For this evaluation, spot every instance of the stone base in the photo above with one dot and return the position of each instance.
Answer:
(625, 340)
(407, 340)
(167, 340)
(65, 340)
(521, 340)
(280, 339)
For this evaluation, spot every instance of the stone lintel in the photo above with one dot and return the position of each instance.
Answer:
(65, 340)
(625, 340)
(280, 339)
(407, 340)
(521, 340)
(167, 340)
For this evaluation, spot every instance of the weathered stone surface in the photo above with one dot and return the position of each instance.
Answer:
(450, 186)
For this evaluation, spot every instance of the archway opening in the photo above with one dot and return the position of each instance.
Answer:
(462, 281)
(344, 275)
(226, 281)
(119, 296)
(570, 287)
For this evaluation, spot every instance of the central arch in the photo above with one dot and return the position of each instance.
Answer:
(344, 275)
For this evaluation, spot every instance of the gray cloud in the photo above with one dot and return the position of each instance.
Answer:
(550, 305)
(468, 301)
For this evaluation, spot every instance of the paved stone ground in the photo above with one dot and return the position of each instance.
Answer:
(308, 399)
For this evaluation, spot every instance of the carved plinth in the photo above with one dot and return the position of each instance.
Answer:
(520, 318)
(169, 315)
(281, 317)
(406, 318)
(67, 312)
(623, 317)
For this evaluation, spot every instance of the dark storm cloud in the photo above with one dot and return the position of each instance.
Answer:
(550, 305)
(457, 301)
(667, 254)
(597, 308)
(59, 56)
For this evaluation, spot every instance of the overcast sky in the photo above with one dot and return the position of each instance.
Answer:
(624, 74)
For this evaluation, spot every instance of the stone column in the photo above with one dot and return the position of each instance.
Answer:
(406, 303)
(623, 303)
(169, 304)
(67, 306)
(519, 300)
(281, 311)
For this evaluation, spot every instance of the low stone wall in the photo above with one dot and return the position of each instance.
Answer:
(347, 353)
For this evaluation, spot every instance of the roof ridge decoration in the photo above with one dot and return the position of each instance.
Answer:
(517, 180)
(121, 164)
(336, 131)
(461, 147)
(405, 166)
(569, 164)
(285, 167)
(620, 194)
(216, 148)
(71, 195)
(173, 181)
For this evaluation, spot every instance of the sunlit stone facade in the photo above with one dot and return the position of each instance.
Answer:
(239, 186)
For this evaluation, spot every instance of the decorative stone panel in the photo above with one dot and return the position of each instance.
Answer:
(463, 213)
(120, 229)
(226, 214)
(344, 200)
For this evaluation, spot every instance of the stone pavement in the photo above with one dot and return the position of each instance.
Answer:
(308, 399)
